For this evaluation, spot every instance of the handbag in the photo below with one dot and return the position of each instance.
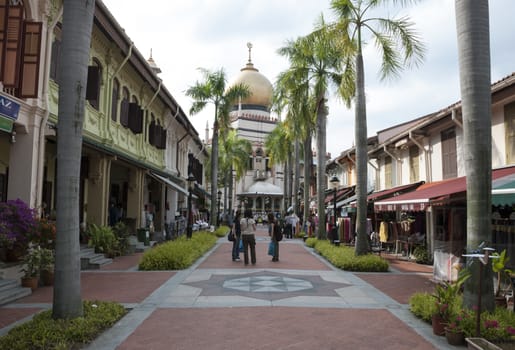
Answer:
(230, 236)
(271, 248)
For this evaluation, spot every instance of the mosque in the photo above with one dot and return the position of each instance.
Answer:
(262, 187)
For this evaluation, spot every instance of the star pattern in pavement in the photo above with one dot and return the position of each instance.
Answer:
(267, 285)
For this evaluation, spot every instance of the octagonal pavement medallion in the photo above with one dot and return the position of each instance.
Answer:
(267, 285)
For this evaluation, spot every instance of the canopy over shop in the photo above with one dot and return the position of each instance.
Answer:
(443, 205)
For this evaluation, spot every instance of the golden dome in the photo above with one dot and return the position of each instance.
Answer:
(259, 86)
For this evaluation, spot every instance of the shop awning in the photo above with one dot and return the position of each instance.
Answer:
(503, 190)
(420, 198)
(340, 194)
(393, 192)
(169, 183)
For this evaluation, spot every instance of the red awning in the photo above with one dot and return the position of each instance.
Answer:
(421, 198)
(342, 193)
(393, 192)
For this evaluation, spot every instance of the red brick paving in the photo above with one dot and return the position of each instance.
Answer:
(122, 287)
(124, 262)
(10, 315)
(273, 328)
(399, 287)
(291, 256)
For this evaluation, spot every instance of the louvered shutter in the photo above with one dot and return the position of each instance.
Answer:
(30, 60)
(93, 84)
(11, 45)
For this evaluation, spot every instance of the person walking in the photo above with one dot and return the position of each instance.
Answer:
(274, 225)
(236, 229)
(248, 227)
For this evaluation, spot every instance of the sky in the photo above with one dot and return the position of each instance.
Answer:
(213, 34)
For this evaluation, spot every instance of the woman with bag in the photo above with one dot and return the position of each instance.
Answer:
(248, 227)
(236, 232)
(274, 240)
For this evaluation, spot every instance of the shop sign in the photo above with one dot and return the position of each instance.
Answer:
(9, 108)
(6, 124)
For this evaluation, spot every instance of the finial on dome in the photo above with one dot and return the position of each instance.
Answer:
(249, 45)
(153, 64)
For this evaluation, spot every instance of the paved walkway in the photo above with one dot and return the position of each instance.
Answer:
(300, 302)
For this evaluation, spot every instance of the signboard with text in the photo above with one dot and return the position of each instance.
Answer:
(9, 108)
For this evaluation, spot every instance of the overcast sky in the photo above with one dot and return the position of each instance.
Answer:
(212, 34)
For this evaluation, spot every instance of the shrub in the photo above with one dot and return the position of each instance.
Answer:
(423, 306)
(344, 257)
(121, 232)
(43, 332)
(102, 239)
(222, 230)
(18, 224)
(422, 255)
(496, 326)
(177, 254)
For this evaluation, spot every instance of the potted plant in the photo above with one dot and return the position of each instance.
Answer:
(455, 329)
(503, 283)
(445, 294)
(103, 240)
(31, 268)
(46, 266)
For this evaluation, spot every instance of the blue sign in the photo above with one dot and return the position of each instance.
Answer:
(9, 108)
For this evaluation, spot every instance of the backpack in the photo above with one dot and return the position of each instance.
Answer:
(278, 232)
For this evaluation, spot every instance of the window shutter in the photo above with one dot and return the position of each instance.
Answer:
(152, 133)
(11, 38)
(163, 139)
(30, 59)
(124, 113)
(135, 118)
(55, 60)
(93, 83)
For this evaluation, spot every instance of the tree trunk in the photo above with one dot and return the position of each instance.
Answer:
(76, 38)
(307, 175)
(362, 246)
(296, 179)
(321, 178)
(472, 25)
(214, 171)
(231, 184)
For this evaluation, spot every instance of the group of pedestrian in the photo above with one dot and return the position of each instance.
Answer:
(244, 229)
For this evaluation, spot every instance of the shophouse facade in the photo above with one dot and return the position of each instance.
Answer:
(137, 141)
(420, 185)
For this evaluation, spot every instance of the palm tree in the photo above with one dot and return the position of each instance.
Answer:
(214, 90)
(278, 145)
(76, 38)
(399, 46)
(474, 62)
(316, 61)
(292, 92)
(234, 155)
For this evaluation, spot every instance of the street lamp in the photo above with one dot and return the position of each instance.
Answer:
(218, 197)
(335, 182)
(191, 186)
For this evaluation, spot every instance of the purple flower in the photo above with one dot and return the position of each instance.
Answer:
(17, 222)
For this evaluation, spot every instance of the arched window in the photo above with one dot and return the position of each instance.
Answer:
(94, 83)
(124, 108)
(114, 100)
(135, 116)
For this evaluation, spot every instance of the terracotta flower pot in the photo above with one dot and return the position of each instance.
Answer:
(438, 324)
(454, 338)
(30, 282)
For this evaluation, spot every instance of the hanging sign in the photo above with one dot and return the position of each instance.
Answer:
(6, 124)
(9, 108)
